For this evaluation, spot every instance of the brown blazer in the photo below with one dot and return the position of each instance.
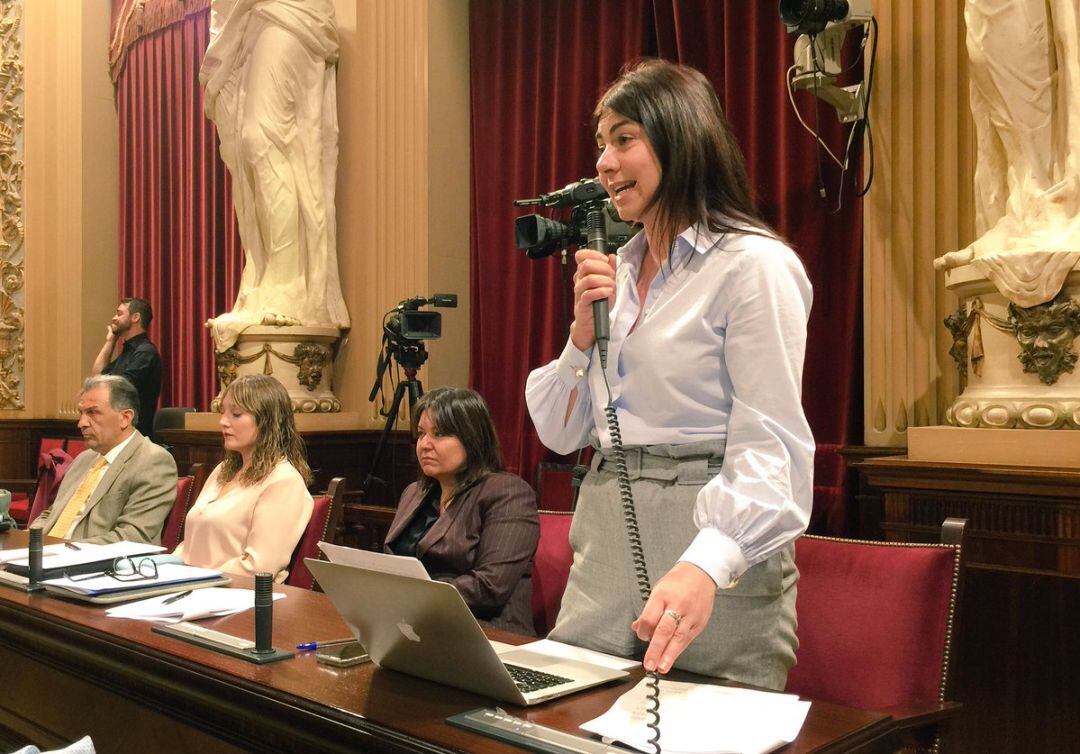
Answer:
(484, 545)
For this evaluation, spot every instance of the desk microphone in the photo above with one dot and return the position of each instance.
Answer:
(35, 558)
(264, 613)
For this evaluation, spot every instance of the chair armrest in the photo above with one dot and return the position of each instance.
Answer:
(910, 716)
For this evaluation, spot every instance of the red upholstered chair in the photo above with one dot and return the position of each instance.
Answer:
(49, 483)
(74, 446)
(323, 527)
(551, 568)
(877, 621)
(187, 491)
(554, 486)
(23, 491)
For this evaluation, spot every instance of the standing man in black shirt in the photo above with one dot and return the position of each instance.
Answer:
(139, 360)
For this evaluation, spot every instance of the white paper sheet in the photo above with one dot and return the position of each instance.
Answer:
(23, 553)
(65, 557)
(570, 652)
(704, 719)
(375, 561)
(212, 602)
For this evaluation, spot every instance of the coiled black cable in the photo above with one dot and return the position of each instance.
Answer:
(633, 533)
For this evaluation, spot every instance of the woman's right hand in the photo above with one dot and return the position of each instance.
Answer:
(593, 281)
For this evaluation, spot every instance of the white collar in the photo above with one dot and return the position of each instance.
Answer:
(113, 454)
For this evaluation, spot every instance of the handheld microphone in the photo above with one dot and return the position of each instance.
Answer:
(596, 235)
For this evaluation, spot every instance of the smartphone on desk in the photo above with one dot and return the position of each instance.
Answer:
(342, 655)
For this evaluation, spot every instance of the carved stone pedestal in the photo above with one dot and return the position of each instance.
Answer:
(300, 358)
(1018, 363)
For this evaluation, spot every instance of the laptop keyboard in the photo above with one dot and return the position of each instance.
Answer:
(529, 680)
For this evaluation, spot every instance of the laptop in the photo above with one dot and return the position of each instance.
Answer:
(425, 629)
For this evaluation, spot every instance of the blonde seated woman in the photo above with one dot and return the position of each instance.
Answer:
(255, 506)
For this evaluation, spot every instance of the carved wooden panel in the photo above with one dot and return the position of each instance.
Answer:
(11, 206)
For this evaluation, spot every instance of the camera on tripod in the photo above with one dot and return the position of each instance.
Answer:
(405, 322)
(405, 328)
(540, 236)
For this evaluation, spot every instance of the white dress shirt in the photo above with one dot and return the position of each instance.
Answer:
(717, 355)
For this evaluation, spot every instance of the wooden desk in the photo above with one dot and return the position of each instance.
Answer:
(69, 671)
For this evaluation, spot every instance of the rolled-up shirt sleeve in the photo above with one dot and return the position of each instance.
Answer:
(761, 499)
(548, 392)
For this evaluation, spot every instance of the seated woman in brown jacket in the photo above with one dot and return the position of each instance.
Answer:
(469, 522)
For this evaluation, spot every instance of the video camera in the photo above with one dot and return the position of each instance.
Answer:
(405, 328)
(405, 322)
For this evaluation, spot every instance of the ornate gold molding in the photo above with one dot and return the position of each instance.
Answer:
(12, 341)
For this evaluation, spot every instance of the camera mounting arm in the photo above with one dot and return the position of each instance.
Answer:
(822, 26)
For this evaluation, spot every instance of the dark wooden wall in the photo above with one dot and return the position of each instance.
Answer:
(20, 440)
(344, 453)
(347, 454)
(1018, 640)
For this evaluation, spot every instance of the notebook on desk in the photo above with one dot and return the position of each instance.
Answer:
(425, 629)
(75, 559)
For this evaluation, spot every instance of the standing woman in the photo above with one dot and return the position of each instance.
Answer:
(255, 506)
(708, 333)
(468, 521)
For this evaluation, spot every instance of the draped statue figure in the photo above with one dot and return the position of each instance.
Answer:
(1019, 313)
(269, 77)
(1025, 64)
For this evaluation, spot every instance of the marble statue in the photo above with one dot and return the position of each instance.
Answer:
(1019, 281)
(269, 77)
(1025, 64)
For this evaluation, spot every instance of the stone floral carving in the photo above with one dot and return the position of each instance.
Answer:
(1045, 334)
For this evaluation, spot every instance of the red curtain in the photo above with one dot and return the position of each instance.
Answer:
(536, 71)
(179, 245)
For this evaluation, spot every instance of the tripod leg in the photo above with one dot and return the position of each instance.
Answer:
(415, 391)
(399, 393)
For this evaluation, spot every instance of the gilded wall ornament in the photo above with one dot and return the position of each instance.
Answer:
(12, 344)
(310, 358)
(959, 326)
(228, 366)
(1045, 334)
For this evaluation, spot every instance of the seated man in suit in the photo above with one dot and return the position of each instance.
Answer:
(123, 485)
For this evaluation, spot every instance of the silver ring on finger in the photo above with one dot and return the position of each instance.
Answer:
(675, 615)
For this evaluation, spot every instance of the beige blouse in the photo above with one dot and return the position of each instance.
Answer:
(246, 530)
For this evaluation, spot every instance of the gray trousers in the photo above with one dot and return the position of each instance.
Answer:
(750, 637)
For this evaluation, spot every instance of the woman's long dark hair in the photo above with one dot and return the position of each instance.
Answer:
(276, 438)
(464, 414)
(703, 175)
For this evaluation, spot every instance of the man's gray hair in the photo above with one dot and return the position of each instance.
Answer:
(122, 394)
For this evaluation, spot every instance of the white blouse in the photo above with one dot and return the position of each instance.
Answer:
(248, 530)
(717, 355)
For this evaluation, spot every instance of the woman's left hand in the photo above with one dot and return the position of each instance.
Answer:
(687, 591)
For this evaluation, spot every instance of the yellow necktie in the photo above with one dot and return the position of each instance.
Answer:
(71, 511)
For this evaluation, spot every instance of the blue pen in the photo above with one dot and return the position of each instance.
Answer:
(308, 646)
